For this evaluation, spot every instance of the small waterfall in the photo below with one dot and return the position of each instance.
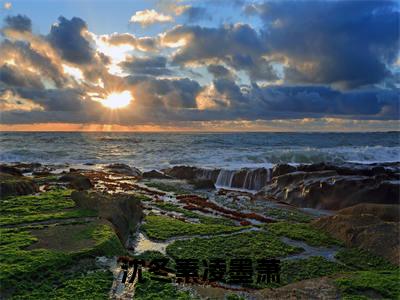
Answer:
(245, 179)
(206, 174)
(225, 178)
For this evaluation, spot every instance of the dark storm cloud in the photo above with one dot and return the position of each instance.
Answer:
(305, 100)
(195, 14)
(12, 76)
(219, 71)
(69, 100)
(208, 43)
(237, 45)
(18, 22)
(66, 36)
(164, 93)
(348, 43)
(155, 66)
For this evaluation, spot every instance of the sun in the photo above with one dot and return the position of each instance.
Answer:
(117, 100)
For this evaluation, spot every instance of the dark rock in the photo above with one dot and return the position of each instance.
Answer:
(42, 171)
(191, 173)
(250, 179)
(385, 212)
(282, 169)
(328, 190)
(202, 183)
(77, 181)
(350, 169)
(124, 170)
(155, 175)
(27, 167)
(366, 231)
(10, 170)
(16, 185)
(123, 211)
(181, 172)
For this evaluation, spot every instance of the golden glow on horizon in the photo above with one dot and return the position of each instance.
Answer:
(299, 125)
(117, 100)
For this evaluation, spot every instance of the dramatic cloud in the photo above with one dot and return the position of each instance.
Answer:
(67, 37)
(141, 44)
(281, 62)
(150, 16)
(147, 66)
(193, 13)
(19, 23)
(346, 43)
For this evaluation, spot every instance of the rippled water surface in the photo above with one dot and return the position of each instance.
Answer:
(225, 150)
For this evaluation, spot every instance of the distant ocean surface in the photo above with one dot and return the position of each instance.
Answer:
(211, 150)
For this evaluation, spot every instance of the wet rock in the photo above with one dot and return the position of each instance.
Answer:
(181, 172)
(77, 181)
(329, 190)
(202, 184)
(16, 185)
(124, 170)
(42, 171)
(366, 231)
(249, 179)
(352, 169)
(282, 169)
(191, 173)
(154, 174)
(10, 170)
(123, 211)
(27, 167)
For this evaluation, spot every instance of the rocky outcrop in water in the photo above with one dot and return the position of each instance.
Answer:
(334, 187)
(246, 179)
(190, 173)
(154, 174)
(123, 169)
(122, 210)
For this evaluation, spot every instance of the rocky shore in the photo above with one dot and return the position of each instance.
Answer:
(334, 227)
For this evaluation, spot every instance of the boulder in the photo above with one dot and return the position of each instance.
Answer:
(16, 185)
(282, 169)
(154, 174)
(366, 231)
(124, 169)
(10, 170)
(77, 181)
(122, 210)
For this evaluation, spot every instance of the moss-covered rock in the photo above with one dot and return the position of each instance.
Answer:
(11, 185)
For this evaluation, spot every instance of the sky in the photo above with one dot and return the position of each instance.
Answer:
(231, 65)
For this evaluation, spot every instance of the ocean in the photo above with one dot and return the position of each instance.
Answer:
(229, 151)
